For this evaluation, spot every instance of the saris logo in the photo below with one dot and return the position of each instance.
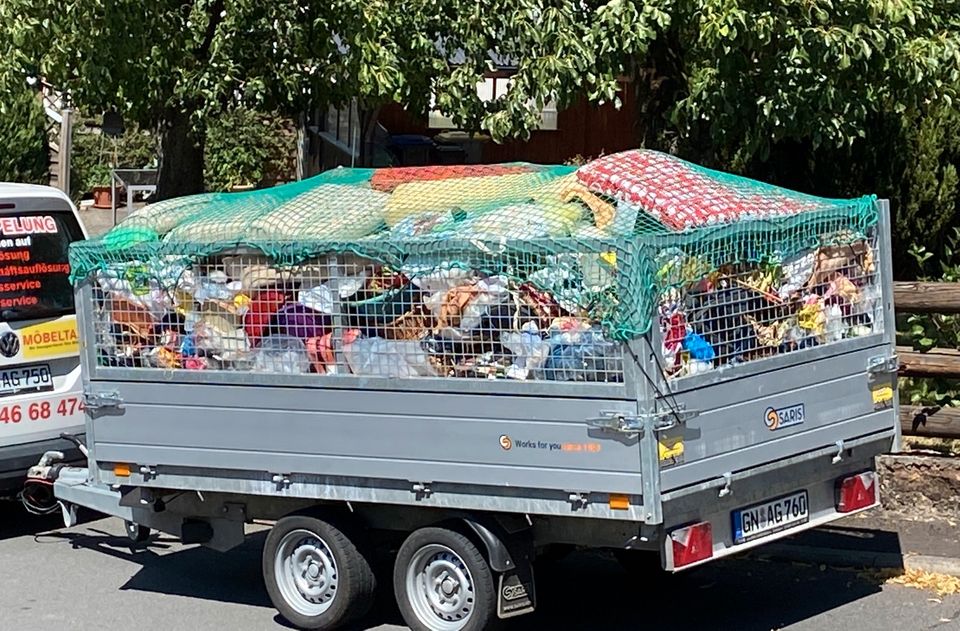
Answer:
(779, 418)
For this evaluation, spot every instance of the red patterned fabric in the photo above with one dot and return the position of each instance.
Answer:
(388, 179)
(263, 306)
(681, 195)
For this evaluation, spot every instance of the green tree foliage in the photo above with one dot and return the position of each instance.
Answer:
(24, 155)
(299, 55)
(244, 147)
(829, 96)
(833, 97)
(172, 62)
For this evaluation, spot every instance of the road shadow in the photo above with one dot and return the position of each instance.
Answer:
(15, 521)
(586, 591)
(835, 543)
(591, 592)
(194, 572)
(201, 573)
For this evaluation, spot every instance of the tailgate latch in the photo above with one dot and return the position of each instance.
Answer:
(883, 365)
(102, 400)
(617, 422)
(664, 420)
(635, 425)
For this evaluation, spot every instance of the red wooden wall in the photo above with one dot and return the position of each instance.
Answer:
(582, 129)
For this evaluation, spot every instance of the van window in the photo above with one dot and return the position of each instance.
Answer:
(34, 270)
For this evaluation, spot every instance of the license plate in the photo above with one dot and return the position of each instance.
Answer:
(34, 378)
(761, 520)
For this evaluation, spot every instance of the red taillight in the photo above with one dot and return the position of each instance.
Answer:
(691, 544)
(856, 492)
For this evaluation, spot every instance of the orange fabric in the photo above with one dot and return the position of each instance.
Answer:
(454, 302)
(132, 316)
(603, 212)
(388, 179)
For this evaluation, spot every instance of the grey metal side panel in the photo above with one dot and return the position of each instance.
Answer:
(425, 437)
(777, 362)
(758, 454)
(824, 370)
(831, 382)
(837, 405)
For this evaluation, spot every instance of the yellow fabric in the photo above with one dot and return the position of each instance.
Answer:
(467, 193)
(812, 318)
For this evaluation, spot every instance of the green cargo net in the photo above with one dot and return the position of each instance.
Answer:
(604, 242)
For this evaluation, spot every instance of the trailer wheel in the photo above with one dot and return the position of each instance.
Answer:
(315, 575)
(640, 563)
(443, 583)
(136, 532)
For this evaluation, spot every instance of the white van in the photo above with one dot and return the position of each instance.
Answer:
(40, 386)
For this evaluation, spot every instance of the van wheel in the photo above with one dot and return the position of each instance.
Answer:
(443, 583)
(136, 532)
(315, 575)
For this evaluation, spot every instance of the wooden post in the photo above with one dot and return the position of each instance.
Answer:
(937, 362)
(66, 148)
(932, 422)
(302, 148)
(926, 297)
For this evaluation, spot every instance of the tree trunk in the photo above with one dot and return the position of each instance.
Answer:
(658, 83)
(303, 147)
(181, 156)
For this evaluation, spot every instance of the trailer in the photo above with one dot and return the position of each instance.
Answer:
(460, 406)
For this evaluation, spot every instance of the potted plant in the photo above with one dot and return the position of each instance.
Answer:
(99, 183)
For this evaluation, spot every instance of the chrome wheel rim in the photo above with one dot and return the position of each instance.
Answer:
(306, 572)
(440, 588)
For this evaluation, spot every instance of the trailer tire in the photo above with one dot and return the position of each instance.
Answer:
(640, 563)
(136, 532)
(317, 578)
(443, 583)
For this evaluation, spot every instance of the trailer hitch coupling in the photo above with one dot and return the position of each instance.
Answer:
(37, 495)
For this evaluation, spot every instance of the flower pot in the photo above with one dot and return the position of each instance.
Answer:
(101, 197)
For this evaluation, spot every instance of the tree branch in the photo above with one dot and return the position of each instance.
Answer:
(215, 17)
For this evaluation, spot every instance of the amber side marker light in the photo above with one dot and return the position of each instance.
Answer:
(619, 502)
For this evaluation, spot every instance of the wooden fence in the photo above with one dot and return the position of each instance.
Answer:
(937, 362)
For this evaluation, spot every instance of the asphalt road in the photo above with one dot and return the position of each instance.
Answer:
(88, 577)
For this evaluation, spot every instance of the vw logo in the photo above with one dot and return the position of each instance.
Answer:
(9, 344)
